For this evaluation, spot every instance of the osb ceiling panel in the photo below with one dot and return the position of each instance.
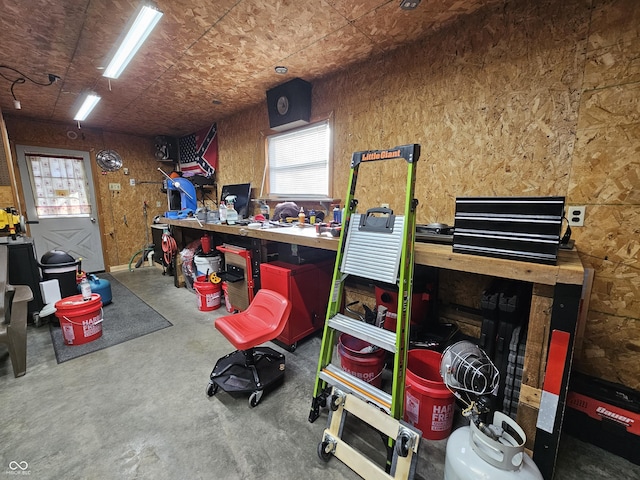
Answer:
(201, 52)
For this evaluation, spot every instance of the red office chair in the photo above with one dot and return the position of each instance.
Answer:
(251, 368)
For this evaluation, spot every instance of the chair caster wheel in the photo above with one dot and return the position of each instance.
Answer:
(212, 389)
(255, 398)
(325, 451)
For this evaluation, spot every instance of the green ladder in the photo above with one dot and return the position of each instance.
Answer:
(379, 248)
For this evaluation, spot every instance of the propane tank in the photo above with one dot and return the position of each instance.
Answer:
(474, 455)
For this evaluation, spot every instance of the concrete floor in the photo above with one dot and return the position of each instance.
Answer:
(138, 410)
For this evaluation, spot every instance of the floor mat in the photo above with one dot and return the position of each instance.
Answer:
(125, 318)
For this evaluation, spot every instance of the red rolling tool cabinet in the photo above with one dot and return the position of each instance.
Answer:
(307, 286)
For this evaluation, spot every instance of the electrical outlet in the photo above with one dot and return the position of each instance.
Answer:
(132, 182)
(576, 216)
(114, 187)
(158, 204)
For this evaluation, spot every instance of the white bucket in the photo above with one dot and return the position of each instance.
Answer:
(206, 265)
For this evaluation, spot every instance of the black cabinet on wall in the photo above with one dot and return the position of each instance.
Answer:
(23, 270)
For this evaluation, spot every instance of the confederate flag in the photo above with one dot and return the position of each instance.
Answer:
(199, 152)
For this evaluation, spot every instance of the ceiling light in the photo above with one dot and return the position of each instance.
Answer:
(147, 17)
(90, 101)
(409, 4)
(281, 69)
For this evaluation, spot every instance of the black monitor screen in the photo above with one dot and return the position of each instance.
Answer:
(242, 191)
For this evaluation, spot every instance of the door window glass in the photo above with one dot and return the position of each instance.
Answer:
(59, 186)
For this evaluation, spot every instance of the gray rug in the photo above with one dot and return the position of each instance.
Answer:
(125, 318)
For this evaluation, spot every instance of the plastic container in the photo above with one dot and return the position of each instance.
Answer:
(101, 287)
(207, 264)
(59, 265)
(80, 321)
(428, 403)
(85, 289)
(232, 214)
(337, 214)
(264, 210)
(208, 294)
(357, 359)
(213, 216)
(205, 241)
(222, 211)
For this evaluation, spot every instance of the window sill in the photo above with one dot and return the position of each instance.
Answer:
(298, 198)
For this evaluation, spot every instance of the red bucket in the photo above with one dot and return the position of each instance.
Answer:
(428, 403)
(80, 321)
(359, 362)
(208, 294)
(389, 299)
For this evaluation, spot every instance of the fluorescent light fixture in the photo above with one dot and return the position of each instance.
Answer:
(90, 101)
(147, 18)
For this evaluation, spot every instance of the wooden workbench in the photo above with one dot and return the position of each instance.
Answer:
(555, 308)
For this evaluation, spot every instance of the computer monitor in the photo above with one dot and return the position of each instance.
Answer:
(242, 191)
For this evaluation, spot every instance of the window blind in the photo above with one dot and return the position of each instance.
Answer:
(299, 161)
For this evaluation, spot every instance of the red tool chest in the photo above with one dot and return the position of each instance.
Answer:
(307, 286)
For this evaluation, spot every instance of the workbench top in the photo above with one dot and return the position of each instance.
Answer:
(569, 269)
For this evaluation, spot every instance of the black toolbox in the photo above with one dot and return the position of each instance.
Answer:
(517, 228)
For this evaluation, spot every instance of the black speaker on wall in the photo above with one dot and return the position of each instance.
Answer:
(289, 104)
(166, 149)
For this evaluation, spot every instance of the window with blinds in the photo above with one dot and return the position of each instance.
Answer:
(299, 162)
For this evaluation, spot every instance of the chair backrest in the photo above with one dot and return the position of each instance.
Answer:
(5, 300)
(271, 309)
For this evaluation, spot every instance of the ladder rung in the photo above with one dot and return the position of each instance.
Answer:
(350, 384)
(369, 333)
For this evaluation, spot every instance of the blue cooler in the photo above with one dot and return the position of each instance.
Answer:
(101, 287)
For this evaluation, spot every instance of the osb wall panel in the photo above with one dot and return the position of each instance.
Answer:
(613, 249)
(126, 228)
(121, 218)
(614, 22)
(6, 197)
(606, 165)
(605, 176)
(241, 156)
(461, 288)
(496, 106)
(611, 348)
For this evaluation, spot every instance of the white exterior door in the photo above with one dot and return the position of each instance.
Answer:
(61, 203)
